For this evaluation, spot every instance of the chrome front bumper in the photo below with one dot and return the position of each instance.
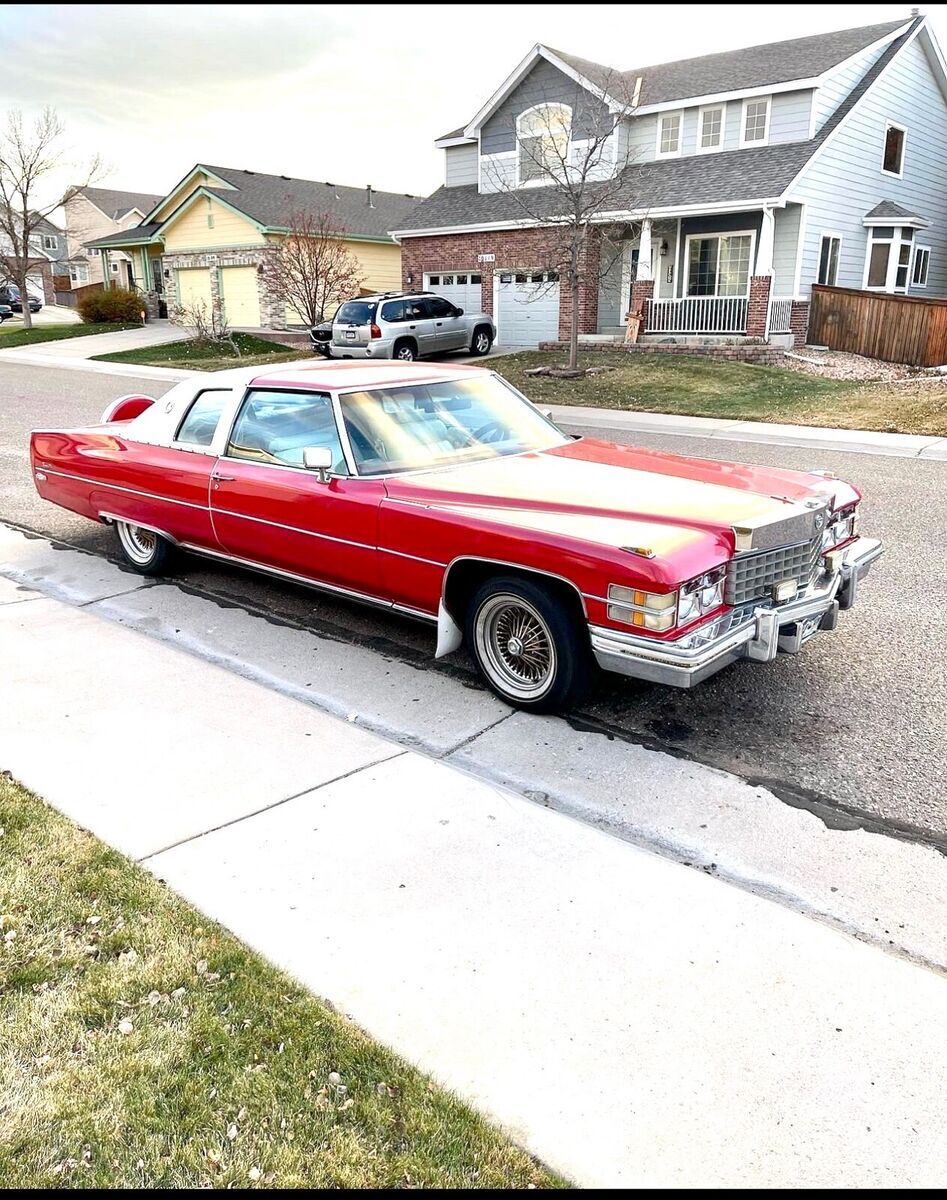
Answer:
(758, 631)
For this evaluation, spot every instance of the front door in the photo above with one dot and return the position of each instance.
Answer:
(269, 510)
(420, 324)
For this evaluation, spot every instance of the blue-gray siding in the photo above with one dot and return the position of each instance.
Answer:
(785, 247)
(845, 181)
(460, 165)
(544, 84)
(831, 94)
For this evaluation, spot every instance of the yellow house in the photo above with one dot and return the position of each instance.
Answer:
(212, 237)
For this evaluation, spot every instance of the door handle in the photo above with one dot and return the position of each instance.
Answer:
(412, 327)
(223, 478)
(438, 323)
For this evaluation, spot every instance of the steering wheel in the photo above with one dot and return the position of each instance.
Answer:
(493, 431)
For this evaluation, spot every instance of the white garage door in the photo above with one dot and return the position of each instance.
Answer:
(34, 287)
(527, 308)
(461, 289)
(241, 296)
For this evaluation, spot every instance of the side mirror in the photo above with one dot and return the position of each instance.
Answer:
(458, 312)
(319, 460)
(547, 413)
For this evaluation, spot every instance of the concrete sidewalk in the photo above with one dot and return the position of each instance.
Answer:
(632, 1022)
(600, 421)
(74, 354)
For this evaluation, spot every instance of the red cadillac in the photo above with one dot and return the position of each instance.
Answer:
(442, 493)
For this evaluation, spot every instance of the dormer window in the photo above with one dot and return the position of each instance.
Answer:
(710, 128)
(755, 128)
(669, 135)
(542, 138)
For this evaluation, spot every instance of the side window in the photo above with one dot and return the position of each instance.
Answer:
(416, 310)
(441, 307)
(202, 418)
(393, 310)
(276, 427)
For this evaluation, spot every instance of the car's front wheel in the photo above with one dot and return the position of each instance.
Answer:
(528, 643)
(145, 551)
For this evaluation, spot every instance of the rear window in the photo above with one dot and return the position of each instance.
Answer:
(356, 312)
(393, 310)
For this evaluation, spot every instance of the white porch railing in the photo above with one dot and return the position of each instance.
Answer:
(780, 316)
(697, 314)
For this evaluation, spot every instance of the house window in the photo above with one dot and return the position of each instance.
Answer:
(710, 136)
(542, 135)
(922, 261)
(669, 135)
(828, 259)
(114, 267)
(719, 264)
(79, 273)
(95, 253)
(888, 261)
(755, 122)
(893, 161)
(49, 242)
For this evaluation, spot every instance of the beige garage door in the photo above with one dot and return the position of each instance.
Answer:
(240, 295)
(194, 287)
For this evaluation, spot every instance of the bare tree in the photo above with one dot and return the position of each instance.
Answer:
(29, 155)
(206, 323)
(571, 172)
(313, 267)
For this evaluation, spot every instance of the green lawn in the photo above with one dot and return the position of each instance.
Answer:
(208, 356)
(15, 335)
(707, 387)
(142, 1046)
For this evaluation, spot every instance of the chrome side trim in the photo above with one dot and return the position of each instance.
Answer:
(319, 585)
(499, 562)
(115, 487)
(110, 518)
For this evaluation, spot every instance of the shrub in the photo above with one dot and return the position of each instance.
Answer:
(110, 305)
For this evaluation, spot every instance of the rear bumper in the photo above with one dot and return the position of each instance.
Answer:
(758, 632)
(379, 348)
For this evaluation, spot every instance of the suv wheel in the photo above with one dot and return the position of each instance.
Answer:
(404, 352)
(481, 341)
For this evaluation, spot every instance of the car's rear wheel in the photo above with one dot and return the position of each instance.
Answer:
(528, 644)
(405, 352)
(145, 551)
(481, 342)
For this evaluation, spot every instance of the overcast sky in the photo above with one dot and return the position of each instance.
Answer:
(350, 93)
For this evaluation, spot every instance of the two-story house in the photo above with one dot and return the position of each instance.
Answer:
(93, 212)
(746, 177)
(47, 258)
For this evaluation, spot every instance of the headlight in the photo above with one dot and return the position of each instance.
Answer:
(648, 610)
(662, 611)
(841, 528)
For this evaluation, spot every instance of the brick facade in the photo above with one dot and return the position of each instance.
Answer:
(757, 309)
(512, 249)
(752, 352)
(799, 322)
(641, 290)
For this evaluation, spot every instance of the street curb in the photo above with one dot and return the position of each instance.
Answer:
(853, 441)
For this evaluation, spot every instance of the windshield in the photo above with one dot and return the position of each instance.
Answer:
(356, 312)
(438, 424)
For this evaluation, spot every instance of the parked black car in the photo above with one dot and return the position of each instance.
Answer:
(10, 294)
(319, 337)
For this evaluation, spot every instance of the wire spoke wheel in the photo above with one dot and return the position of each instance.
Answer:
(139, 544)
(515, 646)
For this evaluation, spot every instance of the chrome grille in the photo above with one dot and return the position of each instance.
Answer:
(750, 576)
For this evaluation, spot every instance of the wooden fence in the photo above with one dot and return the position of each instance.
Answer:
(899, 329)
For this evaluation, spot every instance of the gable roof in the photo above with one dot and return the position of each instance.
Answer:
(739, 70)
(270, 200)
(117, 204)
(725, 178)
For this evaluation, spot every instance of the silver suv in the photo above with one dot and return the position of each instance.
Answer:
(405, 326)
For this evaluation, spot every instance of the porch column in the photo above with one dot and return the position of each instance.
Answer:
(644, 252)
(105, 267)
(764, 251)
(643, 288)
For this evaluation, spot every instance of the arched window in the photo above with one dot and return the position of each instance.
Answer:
(542, 141)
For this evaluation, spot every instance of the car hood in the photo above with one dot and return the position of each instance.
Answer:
(676, 510)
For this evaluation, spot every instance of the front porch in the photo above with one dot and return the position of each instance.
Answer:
(729, 276)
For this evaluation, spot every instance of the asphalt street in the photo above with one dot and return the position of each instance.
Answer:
(852, 728)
